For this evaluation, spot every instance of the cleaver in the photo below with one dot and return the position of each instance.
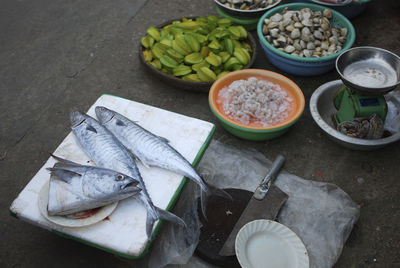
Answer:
(264, 204)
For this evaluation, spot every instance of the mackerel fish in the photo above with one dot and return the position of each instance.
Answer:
(74, 187)
(153, 150)
(106, 151)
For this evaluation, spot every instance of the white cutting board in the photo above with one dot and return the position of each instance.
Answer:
(123, 232)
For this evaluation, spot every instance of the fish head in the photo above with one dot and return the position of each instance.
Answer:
(127, 184)
(76, 118)
(108, 184)
(103, 114)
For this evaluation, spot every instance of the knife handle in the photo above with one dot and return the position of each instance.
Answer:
(265, 184)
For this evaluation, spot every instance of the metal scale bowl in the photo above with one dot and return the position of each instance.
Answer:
(367, 73)
(325, 100)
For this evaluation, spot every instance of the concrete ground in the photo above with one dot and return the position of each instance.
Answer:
(57, 56)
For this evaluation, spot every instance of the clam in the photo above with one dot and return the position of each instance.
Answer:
(304, 33)
(273, 24)
(295, 34)
(310, 45)
(277, 17)
(325, 25)
(290, 28)
(303, 44)
(289, 49)
(327, 13)
(325, 45)
(265, 29)
(307, 53)
(318, 35)
(343, 32)
(282, 40)
(298, 25)
(297, 45)
(274, 32)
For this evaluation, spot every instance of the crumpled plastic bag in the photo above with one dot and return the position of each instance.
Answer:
(321, 214)
(392, 121)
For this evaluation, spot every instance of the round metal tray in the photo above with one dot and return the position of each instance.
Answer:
(322, 108)
(369, 70)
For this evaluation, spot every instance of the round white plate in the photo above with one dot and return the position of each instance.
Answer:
(265, 243)
(64, 221)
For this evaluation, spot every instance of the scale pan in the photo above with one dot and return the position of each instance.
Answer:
(369, 70)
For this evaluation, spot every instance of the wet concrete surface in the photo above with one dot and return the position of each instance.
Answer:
(58, 56)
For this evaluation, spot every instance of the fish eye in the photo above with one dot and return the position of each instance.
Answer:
(119, 177)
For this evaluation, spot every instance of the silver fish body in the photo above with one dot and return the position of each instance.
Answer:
(74, 187)
(152, 150)
(106, 151)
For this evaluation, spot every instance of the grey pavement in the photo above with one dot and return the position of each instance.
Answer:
(57, 56)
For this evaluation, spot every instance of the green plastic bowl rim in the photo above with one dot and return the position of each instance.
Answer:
(251, 130)
(296, 6)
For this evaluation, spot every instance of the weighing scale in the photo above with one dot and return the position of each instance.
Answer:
(367, 73)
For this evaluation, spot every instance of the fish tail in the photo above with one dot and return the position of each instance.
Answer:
(206, 191)
(168, 216)
(160, 214)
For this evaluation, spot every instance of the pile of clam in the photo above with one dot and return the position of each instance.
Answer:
(304, 33)
(248, 4)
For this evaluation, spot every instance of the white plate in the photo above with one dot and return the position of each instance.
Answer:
(102, 213)
(265, 243)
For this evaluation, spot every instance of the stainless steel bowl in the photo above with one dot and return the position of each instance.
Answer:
(344, 3)
(322, 108)
(253, 13)
(369, 70)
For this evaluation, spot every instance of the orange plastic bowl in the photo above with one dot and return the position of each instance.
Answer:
(254, 131)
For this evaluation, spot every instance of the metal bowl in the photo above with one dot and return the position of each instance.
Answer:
(344, 3)
(322, 108)
(369, 70)
(349, 9)
(254, 13)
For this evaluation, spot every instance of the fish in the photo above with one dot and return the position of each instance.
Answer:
(106, 151)
(153, 150)
(85, 187)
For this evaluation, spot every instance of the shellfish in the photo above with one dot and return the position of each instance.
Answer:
(304, 32)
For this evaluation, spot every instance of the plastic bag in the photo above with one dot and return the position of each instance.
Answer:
(392, 121)
(321, 214)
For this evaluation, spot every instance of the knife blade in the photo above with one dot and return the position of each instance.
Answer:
(264, 204)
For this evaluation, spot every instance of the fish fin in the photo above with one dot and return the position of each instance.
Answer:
(62, 160)
(91, 128)
(62, 174)
(168, 216)
(149, 223)
(143, 162)
(138, 159)
(164, 139)
(120, 123)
